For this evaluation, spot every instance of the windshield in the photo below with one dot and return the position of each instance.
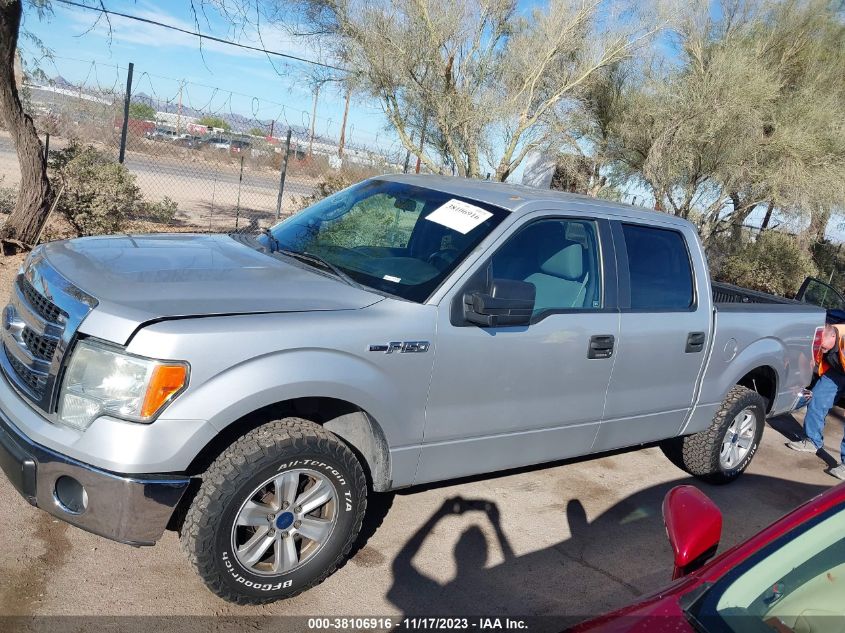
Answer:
(394, 237)
(795, 584)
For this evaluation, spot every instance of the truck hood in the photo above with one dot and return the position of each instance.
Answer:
(139, 278)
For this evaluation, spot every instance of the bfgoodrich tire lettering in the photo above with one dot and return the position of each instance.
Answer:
(273, 449)
(699, 454)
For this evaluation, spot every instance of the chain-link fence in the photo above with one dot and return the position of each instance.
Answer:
(204, 158)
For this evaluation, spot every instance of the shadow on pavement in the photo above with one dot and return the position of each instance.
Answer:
(791, 429)
(604, 564)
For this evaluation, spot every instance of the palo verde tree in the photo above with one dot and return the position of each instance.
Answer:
(746, 111)
(476, 79)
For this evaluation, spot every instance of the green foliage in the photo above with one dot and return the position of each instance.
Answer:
(99, 195)
(163, 211)
(375, 221)
(142, 111)
(214, 121)
(257, 131)
(774, 262)
(332, 183)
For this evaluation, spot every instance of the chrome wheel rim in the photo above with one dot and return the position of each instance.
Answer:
(284, 522)
(738, 439)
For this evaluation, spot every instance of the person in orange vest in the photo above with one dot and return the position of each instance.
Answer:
(830, 358)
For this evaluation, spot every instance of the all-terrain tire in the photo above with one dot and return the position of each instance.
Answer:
(699, 454)
(290, 445)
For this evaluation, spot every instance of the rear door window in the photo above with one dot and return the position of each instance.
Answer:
(659, 266)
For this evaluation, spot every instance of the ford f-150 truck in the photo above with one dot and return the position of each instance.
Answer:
(250, 391)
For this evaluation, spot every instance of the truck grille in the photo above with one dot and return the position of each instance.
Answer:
(41, 346)
(30, 379)
(38, 326)
(45, 308)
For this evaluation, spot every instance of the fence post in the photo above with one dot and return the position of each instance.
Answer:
(125, 129)
(240, 181)
(282, 173)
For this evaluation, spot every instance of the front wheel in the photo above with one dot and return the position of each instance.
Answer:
(276, 514)
(720, 453)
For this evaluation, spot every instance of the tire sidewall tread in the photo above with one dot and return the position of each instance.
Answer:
(698, 454)
(252, 459)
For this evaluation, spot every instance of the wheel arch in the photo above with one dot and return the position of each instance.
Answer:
(350, 422)
(763, 380)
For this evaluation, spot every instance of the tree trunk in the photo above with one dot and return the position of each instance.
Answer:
(33, 204)
(818, 224)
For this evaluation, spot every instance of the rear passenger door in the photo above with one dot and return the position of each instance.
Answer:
(663, 339)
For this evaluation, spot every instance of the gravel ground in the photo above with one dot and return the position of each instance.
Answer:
(571, 540)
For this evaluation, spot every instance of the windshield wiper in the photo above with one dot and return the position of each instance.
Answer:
(274, 243)
(313, 258)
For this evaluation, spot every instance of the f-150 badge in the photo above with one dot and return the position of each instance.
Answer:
(403, 347)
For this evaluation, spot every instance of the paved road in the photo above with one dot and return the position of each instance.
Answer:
(192, 173)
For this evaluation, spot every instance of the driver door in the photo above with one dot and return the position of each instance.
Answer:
(503, 397)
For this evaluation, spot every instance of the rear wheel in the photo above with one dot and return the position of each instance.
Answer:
(720, 453)
(277, 512)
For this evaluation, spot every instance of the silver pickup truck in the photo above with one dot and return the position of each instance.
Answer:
(251, 391)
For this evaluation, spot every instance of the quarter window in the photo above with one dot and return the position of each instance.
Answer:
(659, 265)
(561, 259)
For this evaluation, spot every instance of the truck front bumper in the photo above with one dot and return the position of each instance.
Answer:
(131, 509)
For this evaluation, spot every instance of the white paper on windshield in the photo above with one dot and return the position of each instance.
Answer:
(459, 216)
(395, 280)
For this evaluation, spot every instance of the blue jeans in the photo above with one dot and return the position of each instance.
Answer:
(824, 397)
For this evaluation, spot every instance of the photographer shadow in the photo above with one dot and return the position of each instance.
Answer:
(602, 565)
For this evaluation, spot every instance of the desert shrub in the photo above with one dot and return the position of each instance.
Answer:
(163, 211)
(99, 194)
(330, 184)
(775, 262)
(8, 197)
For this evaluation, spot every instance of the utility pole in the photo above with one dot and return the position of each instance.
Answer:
(313, 119)
(342, 141)
(179, 109)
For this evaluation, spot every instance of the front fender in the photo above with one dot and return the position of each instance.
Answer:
(397, 405)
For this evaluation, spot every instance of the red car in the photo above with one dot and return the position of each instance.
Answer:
(789, 578)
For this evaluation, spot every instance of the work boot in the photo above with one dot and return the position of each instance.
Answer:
(838, 472)
(803, 446)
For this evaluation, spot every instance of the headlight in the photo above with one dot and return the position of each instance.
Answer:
(104, 381)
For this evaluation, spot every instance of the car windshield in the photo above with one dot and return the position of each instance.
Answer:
(396, 238)
(794, 584)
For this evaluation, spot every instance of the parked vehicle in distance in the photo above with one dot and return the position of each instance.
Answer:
(239, 145)
(188, 141)
(817, 292)
(408, 329)
(217, 142)
(161, 134)
(784, 579)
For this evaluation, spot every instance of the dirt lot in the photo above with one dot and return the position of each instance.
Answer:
(570, 540)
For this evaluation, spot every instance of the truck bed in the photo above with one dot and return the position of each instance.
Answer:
(728, 293)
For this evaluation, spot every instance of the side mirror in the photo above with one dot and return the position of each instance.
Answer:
(508, 303)
(694, 527)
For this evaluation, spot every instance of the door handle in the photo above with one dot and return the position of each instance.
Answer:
(695, 342)
(601, 346)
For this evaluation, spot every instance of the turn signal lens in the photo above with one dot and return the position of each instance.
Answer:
(165, 381)
(817, 340)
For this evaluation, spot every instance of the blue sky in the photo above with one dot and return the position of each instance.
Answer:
(221, 78)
